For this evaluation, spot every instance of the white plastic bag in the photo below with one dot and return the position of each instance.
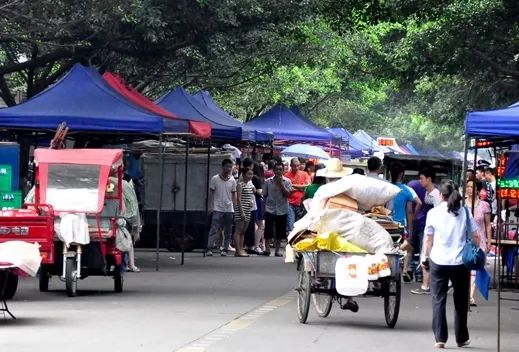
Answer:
(289, 254)
(351, 276)
(359, 230)
(367, 191)
(384, 269)
(73, 228)
(372, 267)
(23, 255)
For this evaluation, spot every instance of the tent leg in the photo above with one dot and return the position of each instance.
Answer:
(206, 229)
(159, 209)
(184, 225)
(499, 232)
(465, 166)
(474, 188)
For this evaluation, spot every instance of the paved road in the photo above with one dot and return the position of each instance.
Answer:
(221, 304)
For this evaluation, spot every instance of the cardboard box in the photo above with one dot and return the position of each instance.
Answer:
(342, 201)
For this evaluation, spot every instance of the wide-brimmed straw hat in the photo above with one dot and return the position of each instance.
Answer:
(334, 169)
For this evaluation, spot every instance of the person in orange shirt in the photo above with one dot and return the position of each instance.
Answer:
(300, 180)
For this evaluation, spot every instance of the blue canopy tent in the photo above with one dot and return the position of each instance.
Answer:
(412, 149)
(366, 139)
(500, 129)
(180, 102)
(356, 148)
(501, 123)
(248, 134)
(82, 99)
(285, 124)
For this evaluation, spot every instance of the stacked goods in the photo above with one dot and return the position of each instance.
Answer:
(352, 208)
(368, 192)
(329, 241)
(381, 216)
(356, 228)
(342, 201)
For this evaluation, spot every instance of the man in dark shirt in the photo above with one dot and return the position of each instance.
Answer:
(481, 175)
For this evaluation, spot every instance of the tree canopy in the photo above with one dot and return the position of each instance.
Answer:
(406, 68)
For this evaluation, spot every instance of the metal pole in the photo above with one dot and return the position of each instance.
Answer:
(208, 175)
(496, 262)
(184, 226)
(159, 209)
(465, 166)
(474, 185)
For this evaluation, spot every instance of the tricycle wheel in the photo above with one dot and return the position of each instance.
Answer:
(10, 281)
(323, 301)
(118, 279)
(303, 297)
(71, 277)
(43, 279)
(392, 292)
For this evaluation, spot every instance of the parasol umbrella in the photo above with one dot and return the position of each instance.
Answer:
(305, 151)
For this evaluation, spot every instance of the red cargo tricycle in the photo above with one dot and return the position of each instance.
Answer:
(78, 200)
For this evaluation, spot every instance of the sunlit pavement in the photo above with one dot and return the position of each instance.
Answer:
(223, 304)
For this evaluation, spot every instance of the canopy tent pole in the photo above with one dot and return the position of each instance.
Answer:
(159, 209)
(184, 225)
(496, 262)
(208, 175)
(465, 165)
(474, 185)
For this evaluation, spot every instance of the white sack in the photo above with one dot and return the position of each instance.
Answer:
(358, 229)
(73, 228)
(367, 191)
(23, 255)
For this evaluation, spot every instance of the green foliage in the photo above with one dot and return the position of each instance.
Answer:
(406, 68)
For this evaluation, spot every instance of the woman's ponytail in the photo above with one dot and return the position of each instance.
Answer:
(449, 190)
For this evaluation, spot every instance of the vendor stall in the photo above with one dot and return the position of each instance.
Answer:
(499, 130)
(248, 134)
(89, 105)
(355, 148)
(287, 125)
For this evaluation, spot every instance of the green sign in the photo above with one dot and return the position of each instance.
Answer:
(6, 178)
(10, 200)
(508, 183)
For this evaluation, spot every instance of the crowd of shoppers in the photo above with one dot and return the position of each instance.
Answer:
(261, 201)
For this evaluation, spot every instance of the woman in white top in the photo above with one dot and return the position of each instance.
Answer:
(445, 231)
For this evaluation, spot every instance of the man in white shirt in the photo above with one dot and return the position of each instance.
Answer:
(222, 198)
(431, 200)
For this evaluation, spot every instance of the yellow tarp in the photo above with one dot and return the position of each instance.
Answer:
(329, 241)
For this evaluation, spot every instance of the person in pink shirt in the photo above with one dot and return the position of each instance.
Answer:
(482, 213)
